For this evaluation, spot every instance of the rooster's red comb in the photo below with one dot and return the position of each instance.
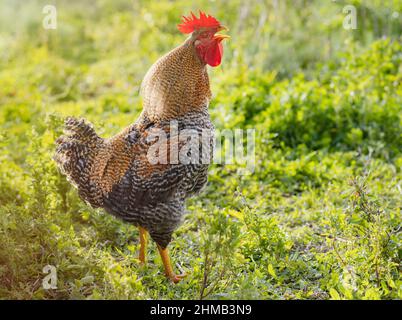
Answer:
(191, 23)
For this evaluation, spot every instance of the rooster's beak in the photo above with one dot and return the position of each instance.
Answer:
(223, 28)
(221, 37)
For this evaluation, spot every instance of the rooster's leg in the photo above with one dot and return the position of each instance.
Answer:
(168, 266)
(143, 244)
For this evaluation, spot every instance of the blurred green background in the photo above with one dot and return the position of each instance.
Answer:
(320, 218)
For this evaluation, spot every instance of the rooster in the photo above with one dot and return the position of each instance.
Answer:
(118, 175)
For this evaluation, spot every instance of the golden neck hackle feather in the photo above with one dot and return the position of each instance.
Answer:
(176, 84)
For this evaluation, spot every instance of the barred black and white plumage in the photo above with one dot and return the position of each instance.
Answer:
(75, 154)
(151, 196)
(116, 173)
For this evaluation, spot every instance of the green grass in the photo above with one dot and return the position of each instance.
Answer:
(320, 217)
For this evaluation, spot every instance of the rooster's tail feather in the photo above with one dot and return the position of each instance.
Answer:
(75, 154)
